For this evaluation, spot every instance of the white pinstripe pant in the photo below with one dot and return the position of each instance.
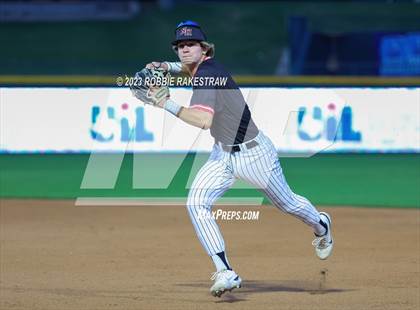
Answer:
(258, 166)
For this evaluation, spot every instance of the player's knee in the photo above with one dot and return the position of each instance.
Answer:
(197, 210)
(196, 201)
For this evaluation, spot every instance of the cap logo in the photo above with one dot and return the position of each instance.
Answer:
(186, 32)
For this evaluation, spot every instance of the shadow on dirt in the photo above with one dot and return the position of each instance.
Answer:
(256, 287)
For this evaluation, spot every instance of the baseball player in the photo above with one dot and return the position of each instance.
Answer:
(240, 151)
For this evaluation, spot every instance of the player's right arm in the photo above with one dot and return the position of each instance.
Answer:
(201, 110)
(200, 116)
(202, 106)
(196, 117)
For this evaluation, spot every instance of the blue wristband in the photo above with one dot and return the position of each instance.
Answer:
(172, 107)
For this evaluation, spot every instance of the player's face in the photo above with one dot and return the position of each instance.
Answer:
(190, 52)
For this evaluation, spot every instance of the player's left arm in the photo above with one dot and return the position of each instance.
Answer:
(172, 67)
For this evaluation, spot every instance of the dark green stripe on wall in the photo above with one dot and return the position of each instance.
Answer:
(327, 179)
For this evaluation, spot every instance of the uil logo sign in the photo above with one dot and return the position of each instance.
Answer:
(328, 124)
(119, 123)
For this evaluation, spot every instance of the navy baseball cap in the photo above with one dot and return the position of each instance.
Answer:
(188, 30)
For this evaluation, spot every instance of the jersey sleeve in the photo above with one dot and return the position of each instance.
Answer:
(204, 95)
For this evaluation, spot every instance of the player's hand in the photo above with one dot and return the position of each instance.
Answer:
(160, 103)
(157, 65)
(148, 91)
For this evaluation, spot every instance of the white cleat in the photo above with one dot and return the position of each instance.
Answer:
(324, 244)
(224, 280)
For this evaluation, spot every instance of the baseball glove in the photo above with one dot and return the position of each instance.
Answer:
(147, 80)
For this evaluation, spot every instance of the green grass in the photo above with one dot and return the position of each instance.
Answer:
(345, 179)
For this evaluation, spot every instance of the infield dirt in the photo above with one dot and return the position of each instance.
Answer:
(55, 255)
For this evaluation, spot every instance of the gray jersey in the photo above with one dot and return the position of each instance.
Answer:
(215, 91)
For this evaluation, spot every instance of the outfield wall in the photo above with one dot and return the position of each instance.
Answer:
(65, 121)
(302, 121)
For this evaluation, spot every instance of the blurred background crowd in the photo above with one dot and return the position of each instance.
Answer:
(108, 37)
